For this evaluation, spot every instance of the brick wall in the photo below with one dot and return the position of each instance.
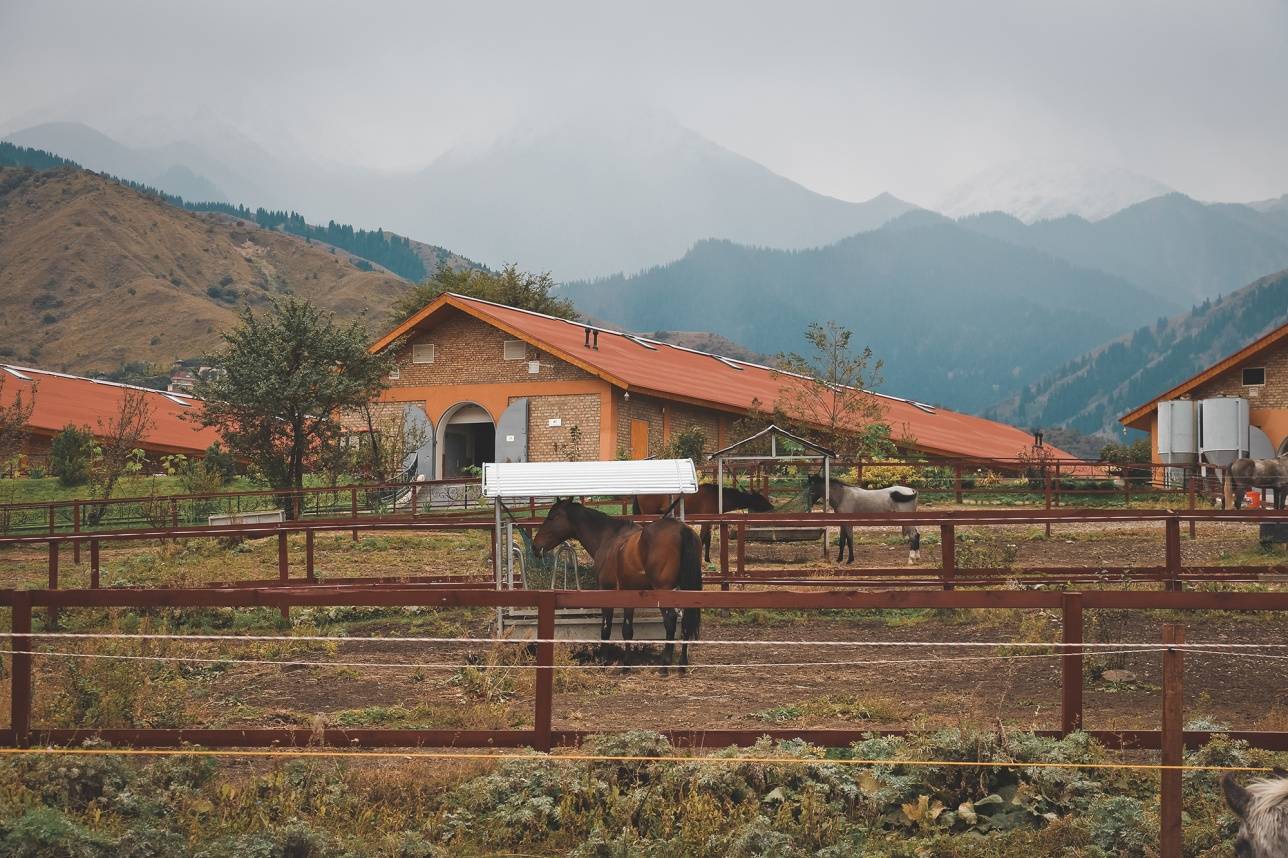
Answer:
(468, 351)
(1273, 394)
(548, 443)
(677, 418)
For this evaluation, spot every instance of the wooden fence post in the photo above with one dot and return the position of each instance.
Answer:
(51, 519)
(724, 554)
(1191, 491)
(353, 509)
(1172, 552)
(948, 554)
(1046, 496)
(1071, 628)
(1173, 742)
(93, 564)
(957, 483)
(742, 548)
(543, 715)
(76, 544)
(52, 612)
(309, 574)
(414, 499)
(20, 687)
(283, 568)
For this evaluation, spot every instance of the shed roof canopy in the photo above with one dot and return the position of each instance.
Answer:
(775, 429)
(643, 477)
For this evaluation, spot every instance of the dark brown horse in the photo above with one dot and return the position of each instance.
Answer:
(705, 502)
(662, 555)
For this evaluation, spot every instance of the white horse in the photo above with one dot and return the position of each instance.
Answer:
(1262, 808)
(844, 497)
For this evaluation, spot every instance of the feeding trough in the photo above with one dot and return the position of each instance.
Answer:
(517, 565)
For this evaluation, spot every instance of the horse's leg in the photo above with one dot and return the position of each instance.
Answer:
(849, 541)
(914, 543)
(628, 635)
(706, 543)
(605, 632)
(840, 544)
(669, 618)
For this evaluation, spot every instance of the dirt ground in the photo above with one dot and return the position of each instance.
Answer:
(483, 685)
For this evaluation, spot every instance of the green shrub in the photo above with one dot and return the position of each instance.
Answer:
(69, 455)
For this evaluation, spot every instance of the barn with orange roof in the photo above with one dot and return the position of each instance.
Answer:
(496, 383)
(63, 400)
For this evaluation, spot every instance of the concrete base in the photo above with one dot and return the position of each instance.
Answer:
(580, 624)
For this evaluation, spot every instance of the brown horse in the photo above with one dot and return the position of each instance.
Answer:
(662, 555)
(705, 502)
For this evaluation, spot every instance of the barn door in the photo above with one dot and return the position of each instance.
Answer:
(419, 462)
(512, 432)
(639, 439)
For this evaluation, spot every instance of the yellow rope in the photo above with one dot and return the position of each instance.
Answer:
(607, 758)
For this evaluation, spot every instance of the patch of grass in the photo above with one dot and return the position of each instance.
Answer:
(844, 707)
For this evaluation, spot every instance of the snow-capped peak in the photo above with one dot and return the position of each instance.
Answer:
(1033, 191)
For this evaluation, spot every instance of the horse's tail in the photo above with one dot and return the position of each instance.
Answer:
(902, 494)
(690, 579)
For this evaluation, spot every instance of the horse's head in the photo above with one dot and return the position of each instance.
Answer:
(1262, 808)
(815, 489)
(756, 502)
(557, 527)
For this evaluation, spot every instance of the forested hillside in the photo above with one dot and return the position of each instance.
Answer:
(408, 259)
(1090, 393)
(958, 318)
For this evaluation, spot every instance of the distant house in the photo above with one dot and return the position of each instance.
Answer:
(494, 383)
(68, 400)
(1236, 407)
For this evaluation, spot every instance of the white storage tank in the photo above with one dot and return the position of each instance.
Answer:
(1223, 429)
(1178, 442)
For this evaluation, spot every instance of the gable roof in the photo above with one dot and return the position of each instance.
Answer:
(63, 400)
(647, 366)
(1229, 362)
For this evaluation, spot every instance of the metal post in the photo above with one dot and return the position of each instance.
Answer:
(1071, 664)
(545, 671)
(353, 509)
(496, 557)
(309, 573)
(20, 687)
(1172, 550)
(93, 564)
(51, 519)
(742, 548)
(1046, 493)
(957, 484)
(414, 488)
(827, 498)
(283, 568)
(1173, 742)
(76, 544)
(948, 554)
(1190, 490)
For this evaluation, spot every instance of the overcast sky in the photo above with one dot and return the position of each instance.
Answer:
(849, 99)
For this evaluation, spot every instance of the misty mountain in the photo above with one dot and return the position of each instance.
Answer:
(580, 197)
(959, 318)
(1173, 246)
(1039, 190)
(1091, 392)
(585, 197)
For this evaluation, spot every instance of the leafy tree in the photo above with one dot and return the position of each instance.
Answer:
(116, 451)
(827, 396)
(687, 443)
(287, 376)
(69, 455)
(14, 417)
(219, 461)
(509, 286)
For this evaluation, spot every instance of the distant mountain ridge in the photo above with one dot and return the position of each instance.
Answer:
(1173, 246)
(1032, 191)
(1090, 393)
(957, 317)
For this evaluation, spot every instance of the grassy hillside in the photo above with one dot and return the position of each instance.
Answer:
(959, 318)
(1090, 393)
(94, 274)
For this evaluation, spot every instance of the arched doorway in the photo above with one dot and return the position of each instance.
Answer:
(467, 438)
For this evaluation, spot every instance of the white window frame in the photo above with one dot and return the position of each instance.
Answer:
(394, 372)
(423, 353)
(507, 350)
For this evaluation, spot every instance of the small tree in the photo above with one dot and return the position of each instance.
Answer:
(287, 376)
(510, 286)
(826, 397)
(70, 454)
(117, 450)
(389, 438)
(688, 443)
(14, 418)
(220, 462)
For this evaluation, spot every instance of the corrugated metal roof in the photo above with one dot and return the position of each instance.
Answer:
(68, 400)
(645, 477)
(651, 366)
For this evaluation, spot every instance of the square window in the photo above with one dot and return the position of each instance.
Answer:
(395, 373)
(1254, 376)
(422, 353)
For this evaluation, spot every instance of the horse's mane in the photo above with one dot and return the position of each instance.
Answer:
(1267, 795)
(601, 517)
